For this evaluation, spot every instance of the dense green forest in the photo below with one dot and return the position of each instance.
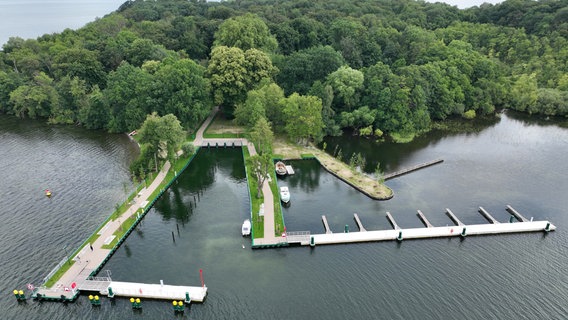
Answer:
(310, 67)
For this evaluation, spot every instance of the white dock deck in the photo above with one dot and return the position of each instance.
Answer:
(289, 170)
(433, 232)
(156, 291)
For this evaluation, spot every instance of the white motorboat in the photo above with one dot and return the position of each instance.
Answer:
(284, 194)
(280, 168)
(246, 228)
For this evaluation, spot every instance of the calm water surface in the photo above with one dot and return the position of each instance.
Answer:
(33, 18)
(513, 161)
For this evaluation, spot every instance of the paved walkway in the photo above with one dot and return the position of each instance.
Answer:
(269, 231)
(89, 259)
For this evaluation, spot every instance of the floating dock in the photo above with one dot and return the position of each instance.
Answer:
(326, 225)
(423, 218)
(410, 169)
(358, 222)
(453, 217)
(487, 215)
(156, 291)
(516, 214)
(461, 230)
(392, 222)
(289, 170)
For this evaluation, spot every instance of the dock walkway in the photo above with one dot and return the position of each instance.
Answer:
(516, 214)
(423, 218)
(359, 224)
(487, 215)
(410, 169)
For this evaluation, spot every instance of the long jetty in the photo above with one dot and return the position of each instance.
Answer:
(461, 230)
(410, 169)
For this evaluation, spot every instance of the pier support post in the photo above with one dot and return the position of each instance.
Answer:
(399, 238)
(463, 234)
(511, 219)
(346, 228)
(312, 241)
(547, 228)
(187, 298)
(110, 293)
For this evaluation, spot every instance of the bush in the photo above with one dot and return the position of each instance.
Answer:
(188, 149)
(469, 114)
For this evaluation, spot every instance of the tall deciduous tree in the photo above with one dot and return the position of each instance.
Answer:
(261, 135)
(261, 166)
(234, 72)
(245, 32)
(162, 134)
(35, 99)
(347, 84)
(303, 118)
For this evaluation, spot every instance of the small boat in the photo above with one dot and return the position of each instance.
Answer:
(246, 228)
(47, 193)
(280, 168)
(284, 194)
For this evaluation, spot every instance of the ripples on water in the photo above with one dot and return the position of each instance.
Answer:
(516, 276)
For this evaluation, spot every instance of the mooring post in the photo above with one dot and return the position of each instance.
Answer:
(511, 219)
(173, 237)
(399, 238)
(110, 293)
(312, 241)
(346, 228)
(547, 228)
(463, 234)
(177, 226)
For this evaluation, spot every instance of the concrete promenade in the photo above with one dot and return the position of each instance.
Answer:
(89, 259)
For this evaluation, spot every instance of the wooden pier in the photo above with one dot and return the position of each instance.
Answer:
(453, 217)
(410, 169)
(423, 218)
(392, 222)
(487, 215)
(358, 222)
(516, 214)
(326, 225)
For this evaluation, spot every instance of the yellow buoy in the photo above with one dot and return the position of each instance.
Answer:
(21, 292)
(137, 300)
(96, 298)
(15, 291)
(180, 303)
(90, 297)
(175, 303)
(132, 300)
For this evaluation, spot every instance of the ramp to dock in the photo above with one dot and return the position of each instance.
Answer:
(392, 222)
(423, 218)
(453, 217)
(516, 214)
(487, 215)
(358, 222)
(326, 225)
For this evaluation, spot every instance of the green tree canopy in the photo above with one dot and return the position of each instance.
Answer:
(245, 32)
(303, 118)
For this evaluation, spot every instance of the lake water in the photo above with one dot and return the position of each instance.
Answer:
(512, 161)
(33, 18)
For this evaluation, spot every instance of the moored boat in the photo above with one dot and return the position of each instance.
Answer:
(245, 230)
(280, 168)
(284, 194)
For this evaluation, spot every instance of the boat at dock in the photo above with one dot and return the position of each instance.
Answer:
(281, 168)
(284, 194)
(246, 228)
